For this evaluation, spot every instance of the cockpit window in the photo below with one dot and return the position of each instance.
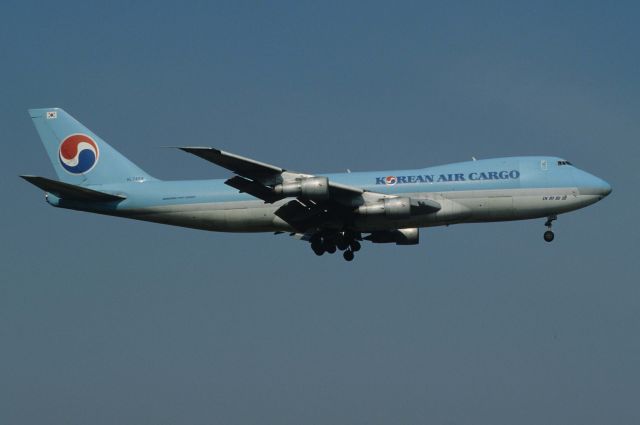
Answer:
(563, 162)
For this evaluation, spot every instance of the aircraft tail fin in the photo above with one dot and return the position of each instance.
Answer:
(78, 155)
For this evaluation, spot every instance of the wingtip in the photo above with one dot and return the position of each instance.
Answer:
(194, 149)
(199, 147)
(187, 148)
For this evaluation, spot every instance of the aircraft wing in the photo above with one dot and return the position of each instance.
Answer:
(246, 167)
(254, 177)
(319, 201)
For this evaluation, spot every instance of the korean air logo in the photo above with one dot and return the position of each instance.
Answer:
(390, 180)
(78, 153)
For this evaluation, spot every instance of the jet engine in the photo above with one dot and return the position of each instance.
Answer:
(315, 188)
(389, 207)
(409, 236)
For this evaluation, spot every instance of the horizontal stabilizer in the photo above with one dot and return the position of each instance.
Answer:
(70, 191)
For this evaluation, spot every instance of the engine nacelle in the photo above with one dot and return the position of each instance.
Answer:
(316, 188)
(409, 236)
(389, 207)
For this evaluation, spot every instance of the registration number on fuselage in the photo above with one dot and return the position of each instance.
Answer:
(555, 198)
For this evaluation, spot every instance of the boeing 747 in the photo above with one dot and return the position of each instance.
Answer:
(330, 211)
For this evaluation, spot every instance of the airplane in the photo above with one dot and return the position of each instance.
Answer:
(329, 211)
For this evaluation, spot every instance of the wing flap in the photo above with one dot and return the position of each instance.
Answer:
(424, 206)
(71, 191)
(299, 215)
(253, 188)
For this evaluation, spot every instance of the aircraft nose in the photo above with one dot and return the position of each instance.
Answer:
(599, 187)
(605, 187)
(589, 184)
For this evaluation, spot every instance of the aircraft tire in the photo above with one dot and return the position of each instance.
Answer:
(355, 246)
(317, 247)
(548, 236)
(348, 255)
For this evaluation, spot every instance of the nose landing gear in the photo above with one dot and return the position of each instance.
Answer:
(549, 235)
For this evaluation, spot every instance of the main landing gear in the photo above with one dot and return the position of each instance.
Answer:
(342, 241)
(348, 255)
(548, 235)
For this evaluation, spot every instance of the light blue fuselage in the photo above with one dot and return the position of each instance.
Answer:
(497, 189)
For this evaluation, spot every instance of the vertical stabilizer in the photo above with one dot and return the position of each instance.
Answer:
(78, 155)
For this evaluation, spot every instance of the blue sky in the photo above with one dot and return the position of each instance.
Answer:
(104, 320)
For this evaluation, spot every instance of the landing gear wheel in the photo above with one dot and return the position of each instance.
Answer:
(348, 255)
(355, 246)
(548, 236)
(317, 247)
(331, 249)
(342, 245)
